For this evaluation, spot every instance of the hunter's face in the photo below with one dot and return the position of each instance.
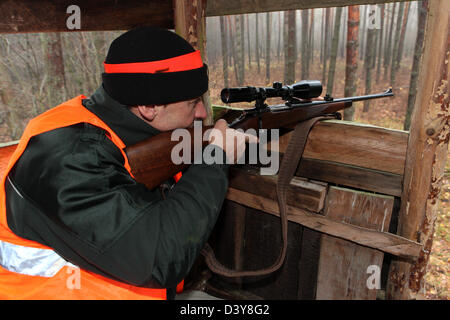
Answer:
(180, 114)
(173, 115)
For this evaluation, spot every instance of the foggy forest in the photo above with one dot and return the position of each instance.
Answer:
(40, 71)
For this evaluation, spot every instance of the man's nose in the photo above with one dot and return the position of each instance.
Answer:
(200, 110)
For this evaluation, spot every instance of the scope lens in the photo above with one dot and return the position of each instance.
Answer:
(225, 95)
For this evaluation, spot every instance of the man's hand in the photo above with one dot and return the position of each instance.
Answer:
(230, 140)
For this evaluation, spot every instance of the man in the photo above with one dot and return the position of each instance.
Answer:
(74, 222)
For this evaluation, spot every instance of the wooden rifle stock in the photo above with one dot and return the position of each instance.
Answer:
(150, 160)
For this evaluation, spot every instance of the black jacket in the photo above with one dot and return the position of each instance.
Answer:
(72, 193)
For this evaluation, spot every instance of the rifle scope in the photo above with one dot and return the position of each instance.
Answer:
(305, 89)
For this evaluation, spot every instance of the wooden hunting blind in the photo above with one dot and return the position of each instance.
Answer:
(364, 198)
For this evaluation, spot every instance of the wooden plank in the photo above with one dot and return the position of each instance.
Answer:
(220, 7)
(351, 176)
(101, 15)
(426, 154)
(343, 265)
(382, 241)
(306, 195)
(355, 144)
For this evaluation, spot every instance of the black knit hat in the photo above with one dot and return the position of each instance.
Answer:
(150, 65)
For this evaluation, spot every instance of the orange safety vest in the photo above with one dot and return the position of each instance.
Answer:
(53, 277)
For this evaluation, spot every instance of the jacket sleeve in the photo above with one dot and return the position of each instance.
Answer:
(93, 213)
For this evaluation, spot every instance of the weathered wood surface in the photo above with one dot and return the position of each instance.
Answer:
(102, 15)
(355, 144)
(351, 176)
(353, 155)
(301, 193)
(245, 238)
(220, 7)
(382, 241)
(426, 154)
(343, 265)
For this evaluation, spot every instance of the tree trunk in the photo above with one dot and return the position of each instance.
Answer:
(325, 47)
(399, 55)
(388, 49)
(370, 54)
(248, 42)
(418, 49)
(241, 34)
(311, 41)
(9, 109)
(334, 48)
(352, 58)
(290, 54)
(233, 47)
(396, 44)
(362, 33)
(380, 43)
(280, 34)
(257, 43)
(223, 37)
(304, 43)
(268, 32)
(54, 64)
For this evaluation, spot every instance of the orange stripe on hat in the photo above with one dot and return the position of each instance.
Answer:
(184, 62)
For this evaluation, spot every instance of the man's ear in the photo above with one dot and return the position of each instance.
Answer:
(147, 112)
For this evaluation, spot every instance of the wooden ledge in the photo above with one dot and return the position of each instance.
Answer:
(383, 241)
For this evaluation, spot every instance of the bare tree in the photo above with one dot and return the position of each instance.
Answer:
(257, 42)
(54, 65)
(223, 37)
(290, 54)
(334, 48)
(351, 58)
(388, 49)
(304, 43)
(325, 43)
(380, 41)
(268, 29)
(396, 43)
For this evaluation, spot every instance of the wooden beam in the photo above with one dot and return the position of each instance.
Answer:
(221, 7)
(355, 144)
(382, 241)
(426, 154)
(101, 15)
(304, 194)
(343, 266)
(351, 176)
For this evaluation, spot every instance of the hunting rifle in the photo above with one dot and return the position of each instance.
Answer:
(150, 160)
(151, 164)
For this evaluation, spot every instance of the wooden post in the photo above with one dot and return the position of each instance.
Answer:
(426, 153)
(190, 23)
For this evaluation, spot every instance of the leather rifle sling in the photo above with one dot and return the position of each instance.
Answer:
(291, 158)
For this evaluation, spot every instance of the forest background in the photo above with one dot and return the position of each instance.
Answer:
(352, 50)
